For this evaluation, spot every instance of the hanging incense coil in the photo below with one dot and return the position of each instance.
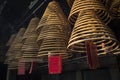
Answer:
(17, 43)
(80, 5)
(14, 52)
(54, 33)
(30, 47)
(31, 27)
(89, 27)
(52, 15)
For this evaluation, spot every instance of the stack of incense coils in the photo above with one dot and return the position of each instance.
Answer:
(91, 19)
(54, 31)
(14, 53)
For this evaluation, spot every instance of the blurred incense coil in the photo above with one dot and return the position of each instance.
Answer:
(52, 15)
(12, 65)
(11, 39)
(89, 27)
(54, 33)
(16, 43)
(31, 27)
(30, 46)
(80, 5)
(14, 52)
(70, 2)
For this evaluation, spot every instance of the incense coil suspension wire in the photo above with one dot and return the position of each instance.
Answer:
(80, 5)
(89, 27)
(54, 33)
(30, 46)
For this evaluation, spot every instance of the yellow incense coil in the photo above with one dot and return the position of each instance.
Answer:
(89, 27)
(14, 52)
(54, 33)
(80, 5)
(52, 15)
(30, 46)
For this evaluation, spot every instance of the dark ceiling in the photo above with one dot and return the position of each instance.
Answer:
(15, 14)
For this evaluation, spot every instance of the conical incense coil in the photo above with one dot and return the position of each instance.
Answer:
(30, 46)
(14, 52)
(11, 39)
(52, 15)
(16, 44)
(53, 38)
(80, 5)
(31, 27)
(89, 27)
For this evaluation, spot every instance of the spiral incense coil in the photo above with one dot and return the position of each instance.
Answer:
(54, 46)
(11, 39)
(52, 15)
(30, 46)
(89, 27)
(14, 52)
(31, 27)
(53, 31)
(80, 5)
(53, 39)
(16, 44)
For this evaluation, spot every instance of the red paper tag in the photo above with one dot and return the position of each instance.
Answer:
(21, 68)
(92, 57)
(55, 64)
